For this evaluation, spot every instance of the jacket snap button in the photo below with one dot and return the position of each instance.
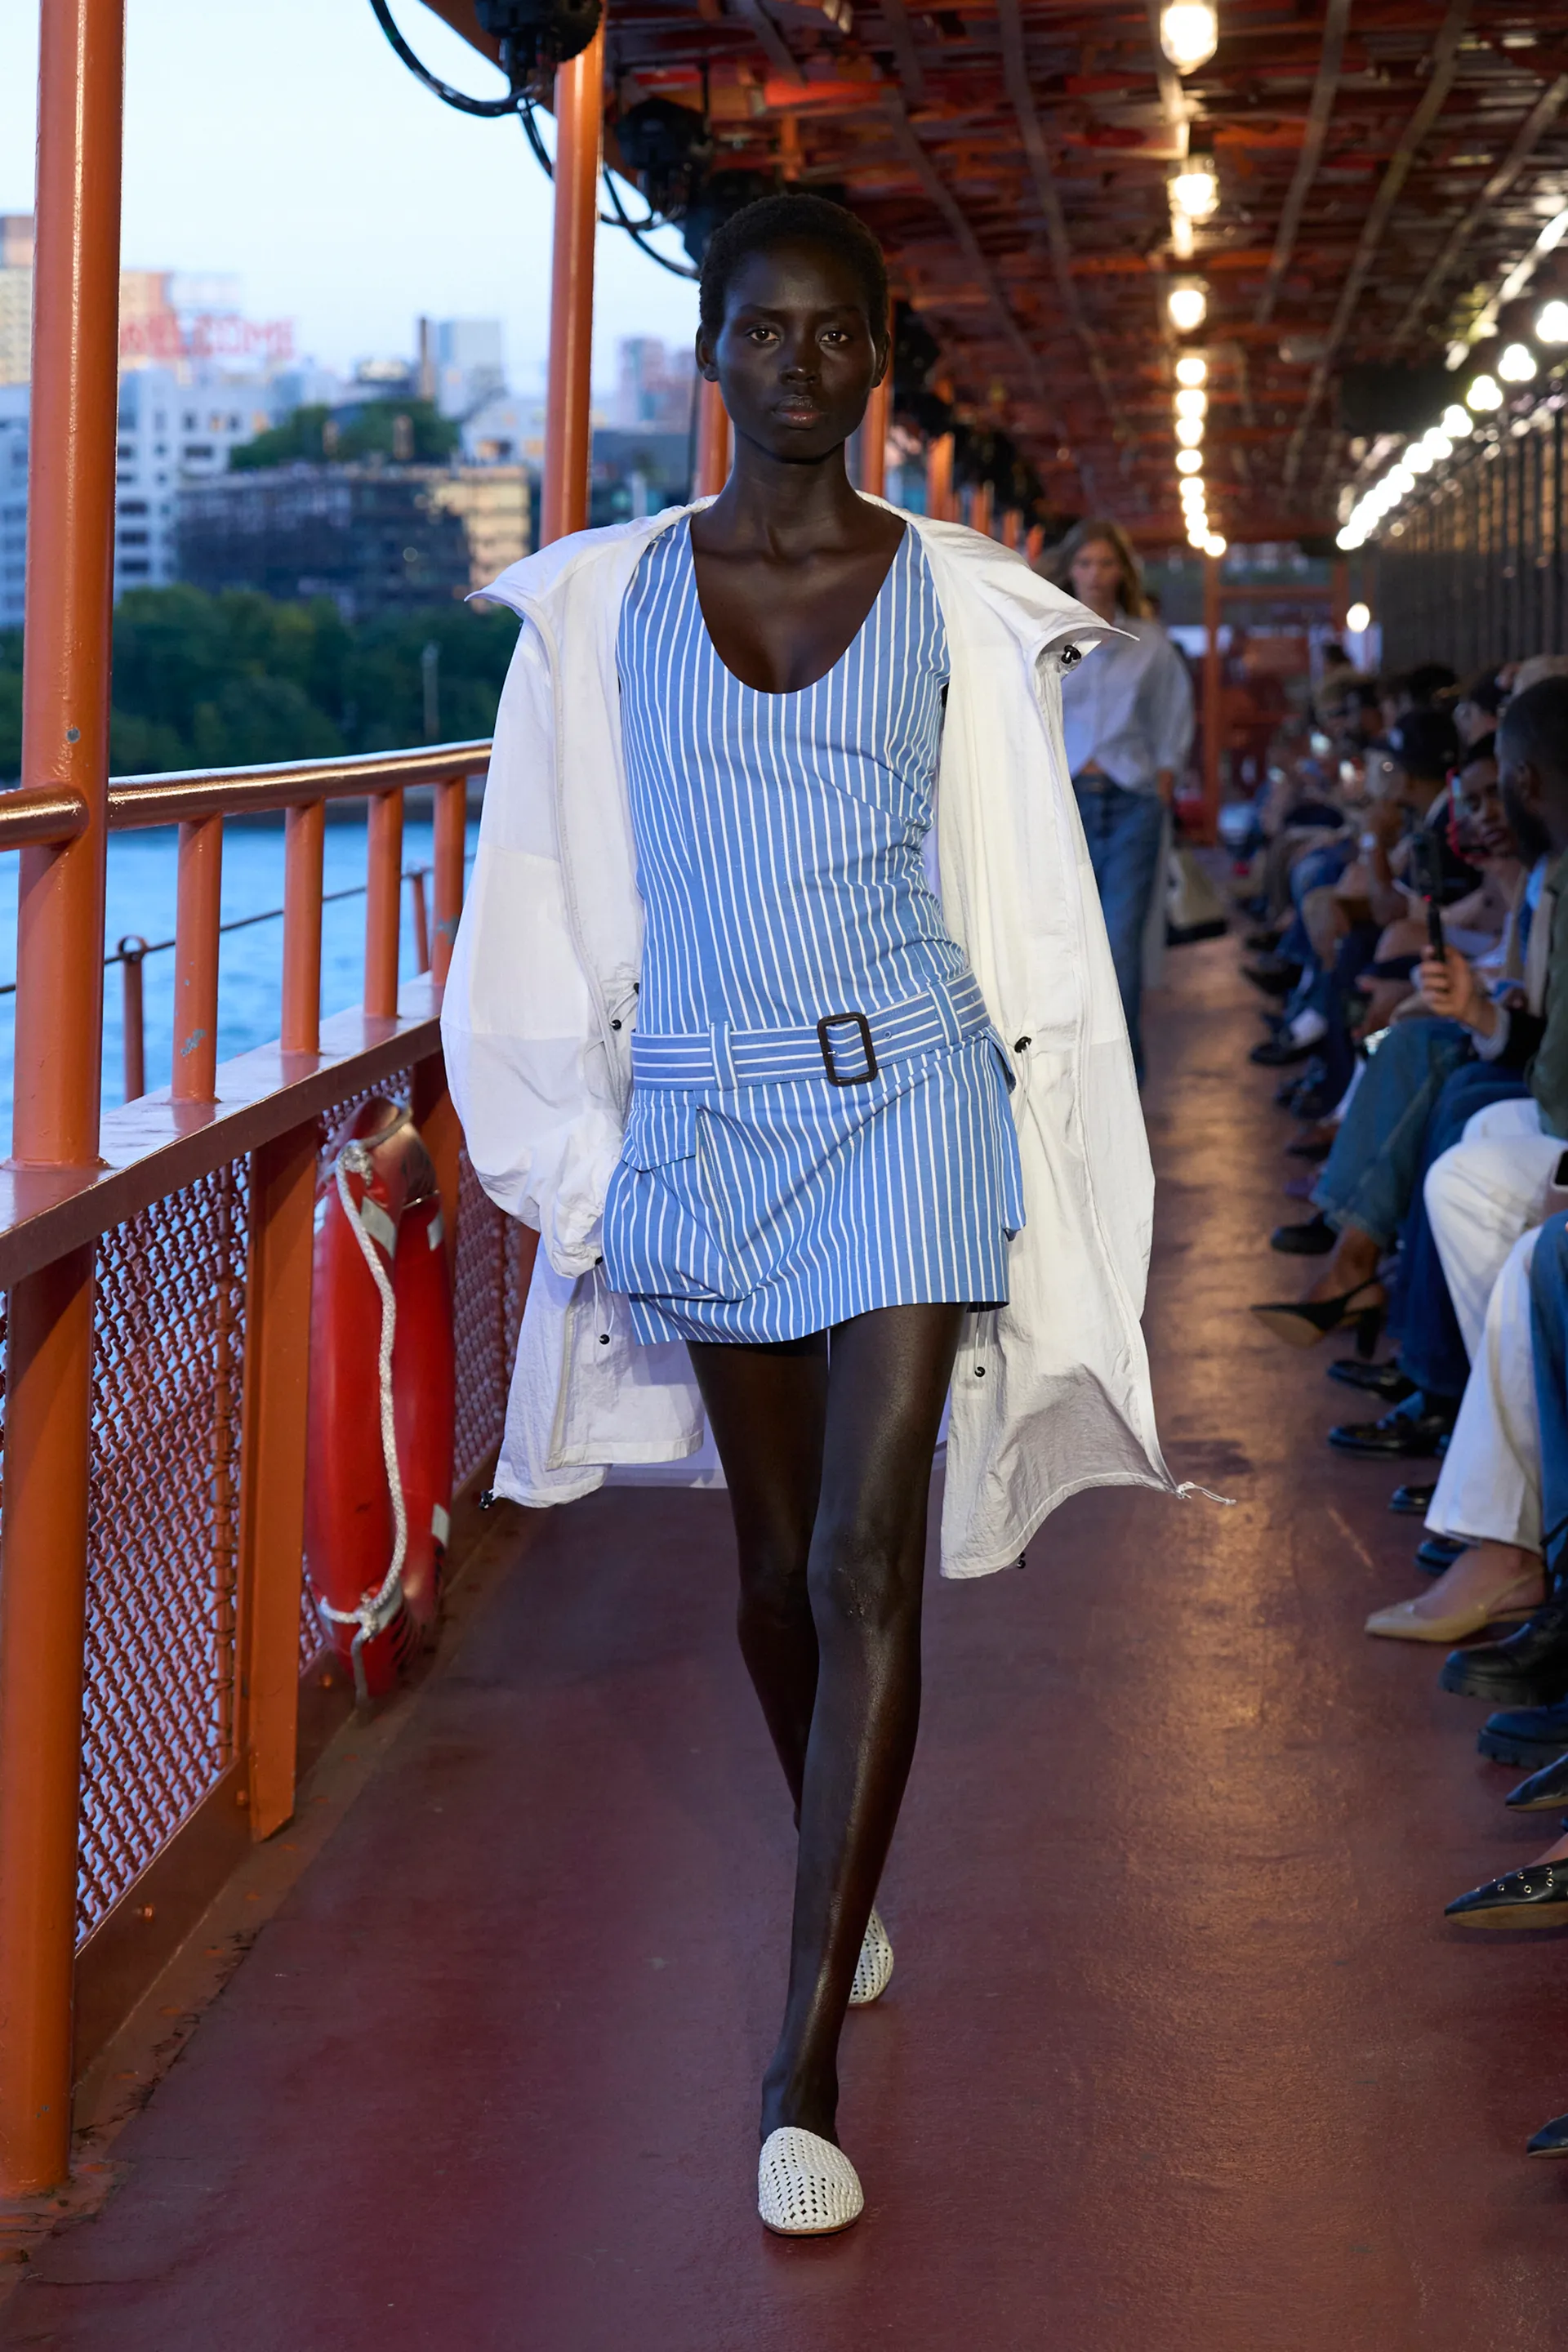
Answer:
(1021, 1044)
(980, 1372)
(603, 1339)
(615, 1024)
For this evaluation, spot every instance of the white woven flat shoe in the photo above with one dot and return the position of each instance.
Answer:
(806, 2188)
(874, 1967)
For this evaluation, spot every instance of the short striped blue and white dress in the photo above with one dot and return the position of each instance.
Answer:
(819, 1121)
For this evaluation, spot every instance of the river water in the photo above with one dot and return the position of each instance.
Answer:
(141, 899)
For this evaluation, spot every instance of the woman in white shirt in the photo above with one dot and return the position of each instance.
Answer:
(1128, 718)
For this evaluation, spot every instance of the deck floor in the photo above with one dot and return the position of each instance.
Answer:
(1179, 2051)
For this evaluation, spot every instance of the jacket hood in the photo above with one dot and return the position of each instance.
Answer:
(1039, 611)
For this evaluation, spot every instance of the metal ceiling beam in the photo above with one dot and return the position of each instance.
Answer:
(1015, 73)
(1539, 120)
(1444, 64)
(1322, 106)
(774, 47)
(901, 41)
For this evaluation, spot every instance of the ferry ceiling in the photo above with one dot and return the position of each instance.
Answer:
(1354, 203)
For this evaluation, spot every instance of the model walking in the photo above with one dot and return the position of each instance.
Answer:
(1129, 724)
(803, 1194)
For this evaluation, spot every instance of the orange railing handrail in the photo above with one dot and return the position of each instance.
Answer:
(50, 813)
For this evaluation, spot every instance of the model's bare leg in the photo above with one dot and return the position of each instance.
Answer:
(887, 1375)
(767, 1407)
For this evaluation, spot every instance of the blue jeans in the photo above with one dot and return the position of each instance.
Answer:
(1368, 1178)
(1549, 1342)
(1123, 831)
(1431, 1351)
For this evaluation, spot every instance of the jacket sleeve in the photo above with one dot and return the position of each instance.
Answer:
(525, 1056)
(1548, 1072)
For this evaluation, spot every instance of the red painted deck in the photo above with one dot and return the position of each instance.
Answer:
(1179, 2051)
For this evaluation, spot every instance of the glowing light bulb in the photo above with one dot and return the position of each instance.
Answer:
(1191, 401)
(1457, 421)
(1187, 304)
(1189, 33)
(1552, 323)
(1190, 490)
(1191, 368)
(1486, 392)
(1349, 537)
(1183, 239)
(1216, 544)
(1195, 188)
(1357, 618)
(1189, 461)
(1439, 444)
(1517, 364)
(1419, 458)
(1399, 480)
(1189, 431)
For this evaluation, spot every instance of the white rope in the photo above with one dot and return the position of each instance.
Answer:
(376, 1610)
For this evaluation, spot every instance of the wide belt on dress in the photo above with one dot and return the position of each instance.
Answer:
(849, 1048)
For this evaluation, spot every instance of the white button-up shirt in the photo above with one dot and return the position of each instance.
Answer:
(1129, 712)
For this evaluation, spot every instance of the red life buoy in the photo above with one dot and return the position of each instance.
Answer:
(383, 1396)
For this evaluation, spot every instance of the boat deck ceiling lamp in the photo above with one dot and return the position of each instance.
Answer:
(1485, 393)
(1191, 401)
(1195, 185)
(1216, 544)
(1187, 303)
(1436, 443)
(1358, 618)
(1419, 458)
(1457, 422)
(1191, 368)
(1552, 323)
(1189, 461)
(1399, 480)
(1517, 364)
(1189, 33)
(1189, 431)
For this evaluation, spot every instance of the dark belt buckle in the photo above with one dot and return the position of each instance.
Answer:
(834, 1020)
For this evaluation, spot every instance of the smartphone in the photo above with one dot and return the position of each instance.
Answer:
(1425, 871)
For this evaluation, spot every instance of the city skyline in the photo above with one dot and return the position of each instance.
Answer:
(343, 195)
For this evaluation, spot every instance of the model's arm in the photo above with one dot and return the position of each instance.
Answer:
(1170, 716)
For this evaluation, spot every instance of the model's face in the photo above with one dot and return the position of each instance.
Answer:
(797, 354)
(1096, 575)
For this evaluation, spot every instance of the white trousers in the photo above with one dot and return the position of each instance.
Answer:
(1481, 1196)
(1490, 1485)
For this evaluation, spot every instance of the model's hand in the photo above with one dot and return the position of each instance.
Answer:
(1165, 785)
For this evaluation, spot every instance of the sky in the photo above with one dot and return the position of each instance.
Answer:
(286, 143)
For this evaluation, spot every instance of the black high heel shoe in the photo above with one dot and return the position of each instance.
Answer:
(1307, 1320)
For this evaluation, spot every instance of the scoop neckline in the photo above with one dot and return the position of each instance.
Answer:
(789, 693)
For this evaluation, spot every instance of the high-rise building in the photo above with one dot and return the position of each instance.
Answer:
(15, 297)
(14, 400)
(460, 364)
(653, 387)
(173, 432)
(375, 539)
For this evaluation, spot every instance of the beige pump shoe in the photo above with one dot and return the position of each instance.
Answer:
(1402, 1623)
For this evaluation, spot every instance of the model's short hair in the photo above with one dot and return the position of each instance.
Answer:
(1534, 730)
(787, 220)
(1057, 565)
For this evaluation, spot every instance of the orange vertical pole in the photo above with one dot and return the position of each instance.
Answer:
(451, 830)
(58, 1041)
(1212, 698)
(198, 913)
(133, 949)
(415, 881)
(1011, 527)
(980, 514)
(568, 429)
(1339, 594)
(302, 845)
(1035, 541)
(874, 437)
(272, 1473)
(383, 904)
(938, 479)
(713, 443)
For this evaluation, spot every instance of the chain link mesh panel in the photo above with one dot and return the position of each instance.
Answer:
(486, 1310)
(159, 1683)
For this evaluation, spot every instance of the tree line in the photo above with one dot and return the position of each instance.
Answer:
(237, 680)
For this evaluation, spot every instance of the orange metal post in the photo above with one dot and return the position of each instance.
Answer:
(980, 509)
(272, 1477)
(874, 438)
(579, 139)
(415, 881)
(303, 843)
(1212, 697)
(1011, 527)
(450, 829)
(435, 1117)
(713, 443)
(384, 877)
(196, 921)
(60, 1029)
(1035, 543)
(1339, 594)
(938, 479)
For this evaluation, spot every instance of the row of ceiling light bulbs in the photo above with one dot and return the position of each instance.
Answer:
(1192, 408)
(1517, 364)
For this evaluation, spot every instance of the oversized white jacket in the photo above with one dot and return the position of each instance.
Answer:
(1051, 1392)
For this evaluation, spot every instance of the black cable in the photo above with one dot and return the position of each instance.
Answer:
(443, 90)
(637, 231)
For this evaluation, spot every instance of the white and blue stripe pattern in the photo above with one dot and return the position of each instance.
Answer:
(780, 841)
